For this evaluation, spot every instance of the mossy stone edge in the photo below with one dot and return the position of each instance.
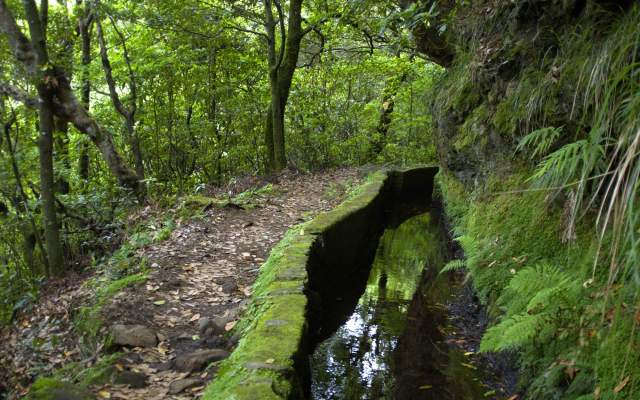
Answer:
(271, 360)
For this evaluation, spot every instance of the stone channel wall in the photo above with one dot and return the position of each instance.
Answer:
(302, 277)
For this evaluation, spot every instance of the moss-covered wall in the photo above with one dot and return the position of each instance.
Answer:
(298, 282)
(534, 111)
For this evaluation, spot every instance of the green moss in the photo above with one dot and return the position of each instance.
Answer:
(54, 389)
(473, 129)
(458, 91)
(275, 324)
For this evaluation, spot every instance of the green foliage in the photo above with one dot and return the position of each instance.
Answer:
(453, 265)
(540, 141)
(537, 304)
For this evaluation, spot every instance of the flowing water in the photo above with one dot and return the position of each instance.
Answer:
(394, 344)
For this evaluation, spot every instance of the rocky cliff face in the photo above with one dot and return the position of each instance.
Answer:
(512, 67)
(537, 130)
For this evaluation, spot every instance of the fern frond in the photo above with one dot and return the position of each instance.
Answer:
(511, 333)
(540, 140)
(527, 284)
(561, 166)
(454, 265)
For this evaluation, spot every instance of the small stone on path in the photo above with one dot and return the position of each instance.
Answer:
(197, 360)
(133, 335)
(135, 380)
(183, 384)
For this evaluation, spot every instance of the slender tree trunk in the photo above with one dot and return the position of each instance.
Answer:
(127, 112)
(277, 125)
(134, 142)
(282, 65)
(61, 146)
(47, 185)
(268, 139)
(30, 233)
(84, 26)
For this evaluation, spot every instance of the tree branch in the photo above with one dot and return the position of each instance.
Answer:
(133, 87)
(20, 45)
(18, 95)
(37, 30)
(108, 73)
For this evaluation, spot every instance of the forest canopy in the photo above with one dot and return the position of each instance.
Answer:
(107, 104)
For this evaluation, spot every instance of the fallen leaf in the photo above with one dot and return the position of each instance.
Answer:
(468, 365)
(195, 317)
(229, 326)
(159, 302)
(621, 385)
(104, 394)
(425, 387)
(270, 360)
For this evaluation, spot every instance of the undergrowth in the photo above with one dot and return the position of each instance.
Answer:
(552, 240)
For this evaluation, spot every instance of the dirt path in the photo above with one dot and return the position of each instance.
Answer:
(199, 281)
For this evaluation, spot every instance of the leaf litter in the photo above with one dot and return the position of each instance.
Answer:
(204, 270)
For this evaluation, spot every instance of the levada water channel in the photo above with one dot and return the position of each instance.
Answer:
(395, 342)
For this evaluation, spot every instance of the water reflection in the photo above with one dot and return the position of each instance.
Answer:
(393, 345)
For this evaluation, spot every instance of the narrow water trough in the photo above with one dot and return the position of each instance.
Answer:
(395, 342)
(310, 289)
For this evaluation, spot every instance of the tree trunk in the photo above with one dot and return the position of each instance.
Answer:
(134, 142)
(47, 185)
(282, 65)
(61, 146)
(386, 113)
(84, 26)
(277, 127)
(268, 139)
(70, 108)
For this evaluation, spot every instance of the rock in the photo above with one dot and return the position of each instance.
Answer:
(135, 380)
(235, 339)
(197, 360)
(162, 366)
(229, 286)
(209, 327)
(61, 391)
(183, 384)
(215, 342)
(133, 335)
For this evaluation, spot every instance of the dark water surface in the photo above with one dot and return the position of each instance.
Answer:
(394, 344)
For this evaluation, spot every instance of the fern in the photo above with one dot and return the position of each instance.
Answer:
(536, 301)
(562, 165)
(540, 140)
(511, 333)
(453, 265)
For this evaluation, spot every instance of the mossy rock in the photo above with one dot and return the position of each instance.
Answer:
(53, 389)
